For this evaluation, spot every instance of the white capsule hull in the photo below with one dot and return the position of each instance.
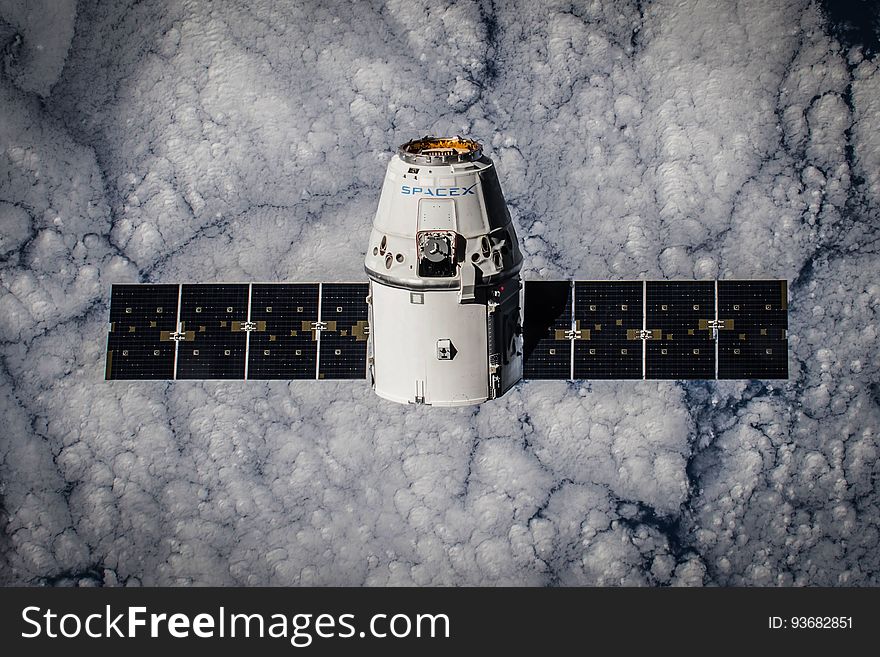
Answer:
(409, 328)
(443, 261)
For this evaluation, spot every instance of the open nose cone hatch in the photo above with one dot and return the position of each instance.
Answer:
(440, 150)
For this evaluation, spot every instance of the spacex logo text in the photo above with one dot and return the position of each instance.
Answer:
(407, 190)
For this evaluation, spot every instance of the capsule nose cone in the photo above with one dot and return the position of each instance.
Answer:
(440, 150)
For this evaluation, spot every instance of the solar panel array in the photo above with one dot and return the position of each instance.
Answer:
(571, 330)
(238, 331)
(655, 329)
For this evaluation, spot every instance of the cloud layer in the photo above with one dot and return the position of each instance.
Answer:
(173, 141)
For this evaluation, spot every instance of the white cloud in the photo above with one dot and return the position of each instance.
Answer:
(249, 143)
(36, 35)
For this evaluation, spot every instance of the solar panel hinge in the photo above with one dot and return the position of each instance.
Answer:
(494, 385)
(177, 336)
(319, 326)
(645, 334)
(248, 326)
(572, 334)
(715, 325)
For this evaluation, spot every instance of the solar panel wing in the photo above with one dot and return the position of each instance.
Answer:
(142, 321)
(753, 333)
(343, 343)
(608, 324)
(214, 340)
(678, 313)
(547, 325)
(283, 341)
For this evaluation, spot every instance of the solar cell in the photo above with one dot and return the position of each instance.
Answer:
(211, 319)
(547, 322)
(753, 339)
(608, 322)
(680, 311)
(142, 320)
(283, 343)
(343, 342)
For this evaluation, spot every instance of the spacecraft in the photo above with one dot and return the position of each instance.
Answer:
(444, 318)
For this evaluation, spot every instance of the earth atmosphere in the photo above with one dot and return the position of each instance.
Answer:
(247, 141)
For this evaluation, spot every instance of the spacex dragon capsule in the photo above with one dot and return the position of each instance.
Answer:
(443, 263)
(445, 319)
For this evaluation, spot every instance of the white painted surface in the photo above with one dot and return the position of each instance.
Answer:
(405, 336)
